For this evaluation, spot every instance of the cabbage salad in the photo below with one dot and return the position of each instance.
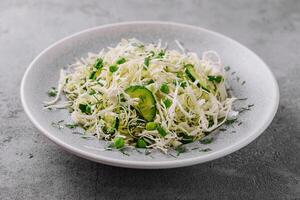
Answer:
(145, 95)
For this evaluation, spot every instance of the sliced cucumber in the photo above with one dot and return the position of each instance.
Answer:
(147, 104)
(192, 74)
(112, 124)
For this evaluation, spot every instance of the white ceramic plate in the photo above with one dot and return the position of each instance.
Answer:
(260, 88)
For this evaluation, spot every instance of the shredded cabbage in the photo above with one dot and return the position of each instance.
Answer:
(95, 91)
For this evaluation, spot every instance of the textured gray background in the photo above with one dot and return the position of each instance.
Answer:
(32, 167)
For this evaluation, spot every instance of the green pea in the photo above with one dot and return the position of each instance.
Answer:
(119, 143)
(141, 143)
(150, 126)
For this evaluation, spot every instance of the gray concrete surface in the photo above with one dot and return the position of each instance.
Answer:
(32, 167)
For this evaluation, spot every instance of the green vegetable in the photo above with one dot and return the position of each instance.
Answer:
(52, 92)
(192, 74)
(216, 79)
(186, 138)
(230, 121)
(112, 124)
(71, 126)
(147, 61)
(161, 54)
(113, 68)
(167, 103)
(161, 131)
(119, 143)
(85, 108)
(180, 149)
(206, 140)
(121, 61)
(98, 64)
(150, 126)
(146, 106)
(227, 68)
(141, 143)
(164, 88)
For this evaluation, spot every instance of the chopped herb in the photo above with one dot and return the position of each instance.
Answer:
(167, 103)
(227, 68)
(147, 152)
(164, 88)
(124, 153)
(243, 82)
(92, 92)
(58, 124)
(52, 92)
(250, 105)
(222, 129)
(195, 148)
(161, 131)
(86, 137)
(85, 108)
(119, 143)
(152, 53)
(161, 54)
(150, 126)
(242, 99)
(240, 123)
(230, 121)
(205, 150)
(99, 63)
(121, 61)
(77, 133)
(206, 140)
(180, 149)
(149, 82)
(147, 61)
(182, 84)
(113, 68)
(216, 79)
(92, 75)
(71, 126)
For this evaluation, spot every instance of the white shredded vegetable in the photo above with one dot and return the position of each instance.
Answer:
(122, 91)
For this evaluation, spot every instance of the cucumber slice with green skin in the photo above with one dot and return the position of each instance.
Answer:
(112, 124)
(191, 73)
(146, 105)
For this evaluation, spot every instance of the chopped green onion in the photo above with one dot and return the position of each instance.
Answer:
(164, 88)
(121, 61)
(99, 63)
(161, 131)
(113, 68)
(150, 126)
(216, 79)
(147, 61)
(85, 108)
(167, 103)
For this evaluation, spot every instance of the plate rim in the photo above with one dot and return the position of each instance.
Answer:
(146, 164)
